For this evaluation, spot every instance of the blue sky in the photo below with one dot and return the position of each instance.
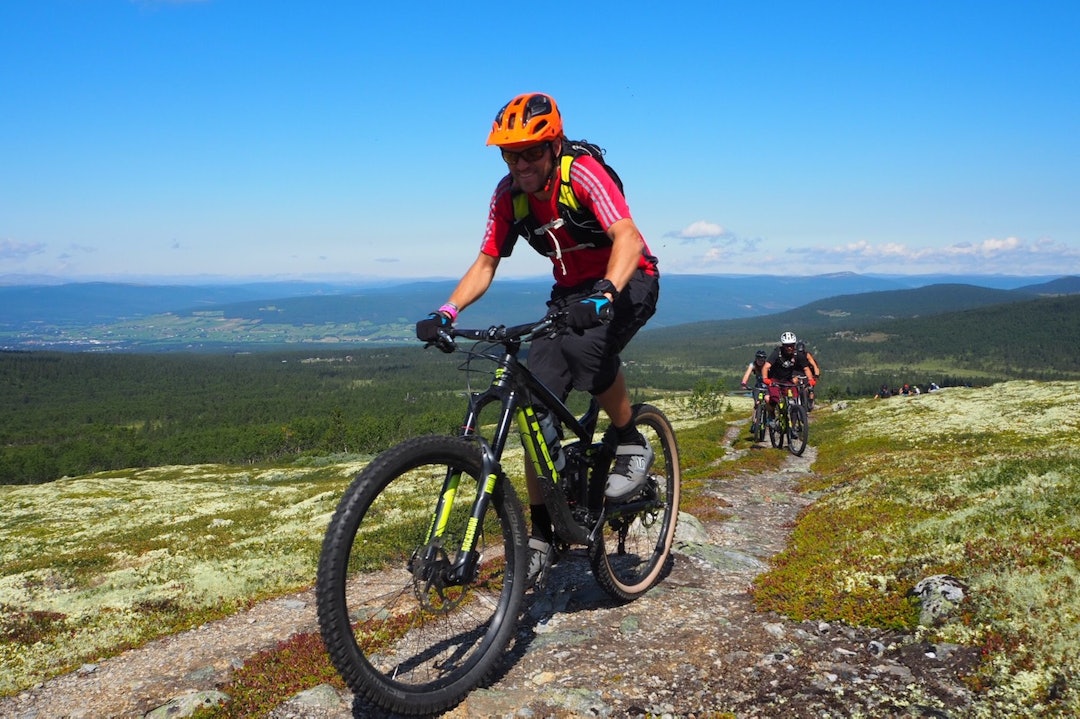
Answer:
(270, 139)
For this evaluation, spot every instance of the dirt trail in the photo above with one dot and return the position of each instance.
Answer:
(692, 646)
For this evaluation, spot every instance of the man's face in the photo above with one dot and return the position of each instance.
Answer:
(530, 167)
(787, 350)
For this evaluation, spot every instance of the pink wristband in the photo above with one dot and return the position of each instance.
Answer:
(450, 309)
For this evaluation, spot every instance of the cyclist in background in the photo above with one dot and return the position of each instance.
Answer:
(800, 349)
(754, 368)
(605, 277)
(782, 366)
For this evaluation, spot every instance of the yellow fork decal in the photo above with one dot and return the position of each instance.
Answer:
(470, 530)
(438, 523)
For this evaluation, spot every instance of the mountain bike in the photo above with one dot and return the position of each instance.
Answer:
(423, 567)
(759, 418)
(792, 423)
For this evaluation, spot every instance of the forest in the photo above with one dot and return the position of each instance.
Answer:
(72, 413)
(65, 414)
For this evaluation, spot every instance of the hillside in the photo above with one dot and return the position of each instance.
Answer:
(868, 339)
(68, 413)
(114, 317)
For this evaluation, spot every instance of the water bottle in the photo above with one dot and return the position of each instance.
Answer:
(551, 436)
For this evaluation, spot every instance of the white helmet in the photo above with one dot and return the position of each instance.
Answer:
(788, 338)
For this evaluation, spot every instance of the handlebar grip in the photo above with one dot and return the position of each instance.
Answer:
(445, 342)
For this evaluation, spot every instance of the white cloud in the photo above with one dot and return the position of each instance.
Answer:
(1010, 254)
(19, 251)
(701, 230)
(705, 247)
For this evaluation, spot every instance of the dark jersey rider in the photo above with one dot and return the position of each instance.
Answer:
(782, 366)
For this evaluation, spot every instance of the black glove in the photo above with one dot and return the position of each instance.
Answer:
(427, 329)
(593, 311)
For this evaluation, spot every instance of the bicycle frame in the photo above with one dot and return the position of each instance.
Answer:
(790, 393)
(516, 390)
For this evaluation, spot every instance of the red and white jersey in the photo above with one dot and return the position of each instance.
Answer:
(574, 261)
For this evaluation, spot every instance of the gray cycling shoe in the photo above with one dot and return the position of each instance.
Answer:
(540, 558)
(632, 463)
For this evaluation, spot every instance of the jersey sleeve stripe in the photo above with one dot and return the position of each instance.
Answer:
(604, 206)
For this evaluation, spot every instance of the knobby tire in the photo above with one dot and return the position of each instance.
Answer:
(634, 550)
(399, 638)
(776, 435)
(757, 424)
(799, 432)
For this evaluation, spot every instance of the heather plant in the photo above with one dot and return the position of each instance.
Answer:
(706, 399)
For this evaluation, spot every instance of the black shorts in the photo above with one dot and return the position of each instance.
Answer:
(589, 361)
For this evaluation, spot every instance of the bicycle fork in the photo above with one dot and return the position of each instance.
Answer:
(463, 569)
(464, 566)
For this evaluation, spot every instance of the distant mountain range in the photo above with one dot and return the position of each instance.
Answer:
(131, 317)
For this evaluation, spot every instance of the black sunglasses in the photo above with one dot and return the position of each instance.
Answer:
(529, 154)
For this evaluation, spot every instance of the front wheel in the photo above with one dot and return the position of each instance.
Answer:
(634, 550)
(402, 630)
(776, 428)
(757, 424)
(799, 429)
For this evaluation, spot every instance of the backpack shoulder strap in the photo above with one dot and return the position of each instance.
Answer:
(521, 206)
(566, 191)
(572, 149)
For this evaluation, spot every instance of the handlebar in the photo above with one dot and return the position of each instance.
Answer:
(793, 382)
(550, 324)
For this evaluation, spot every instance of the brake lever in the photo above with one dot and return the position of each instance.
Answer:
(556, 325)
(444, 342)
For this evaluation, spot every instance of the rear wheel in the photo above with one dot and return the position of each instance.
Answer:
(401, 629)
(634, 550)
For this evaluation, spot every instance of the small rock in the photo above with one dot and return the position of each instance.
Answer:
(323, 695)
(186, 704)
(775, 629)
(939, 595)
(542, 678)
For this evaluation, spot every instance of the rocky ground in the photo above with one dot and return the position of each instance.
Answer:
(694, 646)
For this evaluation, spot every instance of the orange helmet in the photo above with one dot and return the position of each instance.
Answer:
(526, 120)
